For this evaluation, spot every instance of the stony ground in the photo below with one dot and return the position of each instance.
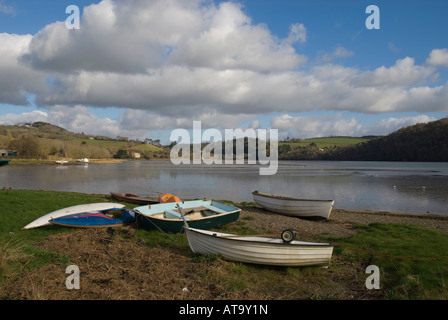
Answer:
(119, 266)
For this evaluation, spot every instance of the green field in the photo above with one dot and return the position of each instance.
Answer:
(117, 145)
(327, 142)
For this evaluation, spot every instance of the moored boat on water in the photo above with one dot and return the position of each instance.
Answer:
(4, 162)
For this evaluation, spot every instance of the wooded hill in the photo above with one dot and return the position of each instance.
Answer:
(420, 142)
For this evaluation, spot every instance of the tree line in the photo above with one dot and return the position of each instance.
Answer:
(421, 142)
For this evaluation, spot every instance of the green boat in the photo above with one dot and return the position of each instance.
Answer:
(4, 162)
(200, 214)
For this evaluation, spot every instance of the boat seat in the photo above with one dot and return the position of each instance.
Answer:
(215, 209)
(171, 214)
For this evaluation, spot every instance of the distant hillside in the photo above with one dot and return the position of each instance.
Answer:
(420, 142)
(41, 140)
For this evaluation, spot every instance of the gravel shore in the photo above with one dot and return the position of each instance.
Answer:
(340, 224)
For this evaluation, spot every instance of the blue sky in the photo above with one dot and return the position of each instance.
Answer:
(143, 68)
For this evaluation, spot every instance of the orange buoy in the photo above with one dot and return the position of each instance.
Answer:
(166, 197)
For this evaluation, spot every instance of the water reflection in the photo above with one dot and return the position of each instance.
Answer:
(388, 186)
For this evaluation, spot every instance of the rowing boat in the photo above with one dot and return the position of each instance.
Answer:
(294, 206)
(201, 214)
(131, 198)
(258, 249)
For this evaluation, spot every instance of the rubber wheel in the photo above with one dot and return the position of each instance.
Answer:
(288, 235)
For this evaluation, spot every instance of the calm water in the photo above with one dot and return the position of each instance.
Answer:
(389, 186)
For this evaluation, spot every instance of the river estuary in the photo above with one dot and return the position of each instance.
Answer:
(385, 186)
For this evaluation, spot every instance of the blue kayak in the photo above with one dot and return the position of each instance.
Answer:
(103, 218)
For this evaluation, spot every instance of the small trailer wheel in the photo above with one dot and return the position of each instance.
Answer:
(288, 235)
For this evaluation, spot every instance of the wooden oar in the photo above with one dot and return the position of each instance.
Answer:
(182, 215)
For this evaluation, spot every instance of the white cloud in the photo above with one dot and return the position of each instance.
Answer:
(7, 9)
(438, 57)
(338, 52)
(168, 62)
(314, 126)
(297, 33)
(15, 78)
(26, 117)
(403, 73)
(132, 36)
(336, 125)
(392, 124)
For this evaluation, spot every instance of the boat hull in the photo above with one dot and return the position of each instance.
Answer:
(105, 218)
(131, 198)
(259, 250)
(294, 207)
(149, 218)
(4, 162)
(45, 219)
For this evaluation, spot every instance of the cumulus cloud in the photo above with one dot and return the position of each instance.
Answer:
(168, 62)
(337, 125)
(438, 57)
(25, 117)
(132, 36)
(17, 79)
(403, 73)
(314, 126)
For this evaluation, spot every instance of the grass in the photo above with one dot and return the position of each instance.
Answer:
(116, 145)
(19, 207)
(327, 142)
(412, 259)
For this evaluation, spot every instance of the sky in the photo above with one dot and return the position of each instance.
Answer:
(142, 68)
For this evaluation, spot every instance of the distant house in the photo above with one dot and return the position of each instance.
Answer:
(133, 153)
(8, 153)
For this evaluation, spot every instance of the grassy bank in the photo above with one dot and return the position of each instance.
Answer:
(412, 261)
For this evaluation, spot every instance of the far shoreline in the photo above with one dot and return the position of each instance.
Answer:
(38, 162)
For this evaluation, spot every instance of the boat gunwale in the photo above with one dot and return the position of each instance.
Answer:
(161, 218)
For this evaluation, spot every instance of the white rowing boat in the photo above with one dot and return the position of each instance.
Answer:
(294, 206)
(259, 249)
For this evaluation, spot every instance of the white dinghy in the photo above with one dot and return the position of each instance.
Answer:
(305, 208)
(259, 249)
